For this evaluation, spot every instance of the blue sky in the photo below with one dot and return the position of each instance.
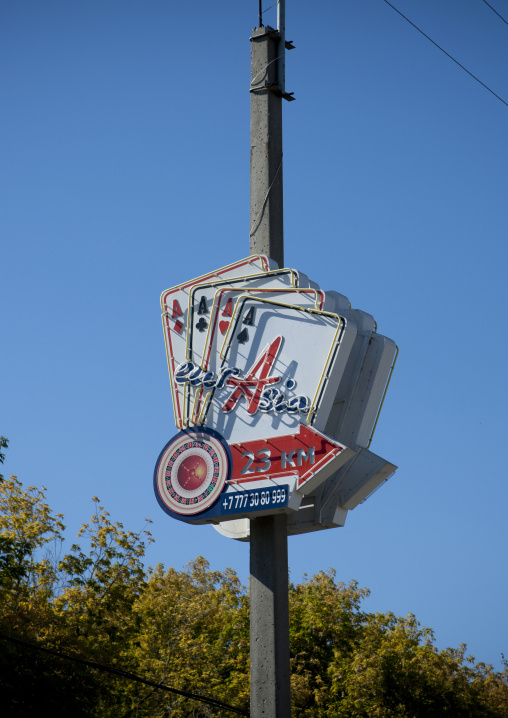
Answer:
(125, 171)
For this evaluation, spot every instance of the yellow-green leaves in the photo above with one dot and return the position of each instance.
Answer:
(32, 531)
(189, 629)
(195, 636)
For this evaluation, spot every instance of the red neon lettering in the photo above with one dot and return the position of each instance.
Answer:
(255, 380)
(228, 309)
(177, 312)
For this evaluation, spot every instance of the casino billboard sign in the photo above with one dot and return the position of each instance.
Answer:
(276, 387)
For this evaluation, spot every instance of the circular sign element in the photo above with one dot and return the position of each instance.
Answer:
(191, 471)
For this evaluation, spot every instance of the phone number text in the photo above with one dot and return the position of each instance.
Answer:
(255, 499)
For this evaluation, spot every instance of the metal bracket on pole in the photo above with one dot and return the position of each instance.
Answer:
(283, 46)
(276, 83)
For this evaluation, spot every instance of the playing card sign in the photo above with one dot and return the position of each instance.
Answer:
(279, 370)
(259, 359)
(213, 304)
(175, 318)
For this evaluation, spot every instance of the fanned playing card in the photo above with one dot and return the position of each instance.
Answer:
(220, 317)
(201, 298)
(271, 378)
(175, 308)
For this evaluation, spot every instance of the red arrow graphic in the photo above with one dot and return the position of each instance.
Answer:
(310, 454)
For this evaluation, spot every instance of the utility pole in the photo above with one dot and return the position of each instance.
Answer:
(268, 48)
(331, 356)
(269, 601)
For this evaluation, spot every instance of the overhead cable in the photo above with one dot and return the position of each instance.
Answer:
(270, 6)
(258, 217)
(446, 53)
(494, 10)
(124, 674)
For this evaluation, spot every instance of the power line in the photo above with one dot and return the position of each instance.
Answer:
(256, 226)
(494, 10)
(125, 674)
(446, 53)
(270, 6)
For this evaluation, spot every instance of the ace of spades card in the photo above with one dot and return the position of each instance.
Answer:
(202, 349)
(283, 372)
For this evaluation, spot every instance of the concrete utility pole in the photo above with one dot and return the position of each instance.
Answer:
(270, 691)
(269, 602)
(267, 89)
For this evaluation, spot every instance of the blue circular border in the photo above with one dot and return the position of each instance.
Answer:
(202, 430)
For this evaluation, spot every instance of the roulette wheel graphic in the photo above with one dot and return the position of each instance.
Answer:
(191, 471)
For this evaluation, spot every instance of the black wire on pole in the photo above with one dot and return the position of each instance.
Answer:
(494, 10)
(270, 6)
(260, 13)
(125, 674)
(446, 53)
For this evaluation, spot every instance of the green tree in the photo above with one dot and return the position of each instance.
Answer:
(189, 629)
(346, 662)
(195, 637)
(81, 605)
(12, 552)
(32, 681)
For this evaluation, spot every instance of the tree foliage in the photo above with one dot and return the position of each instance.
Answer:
(12, 552)
(189, 629)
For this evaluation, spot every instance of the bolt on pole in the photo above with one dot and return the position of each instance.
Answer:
(269, 601)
